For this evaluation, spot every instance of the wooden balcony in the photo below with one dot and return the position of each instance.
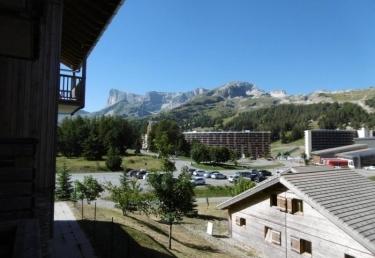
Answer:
(71, 91)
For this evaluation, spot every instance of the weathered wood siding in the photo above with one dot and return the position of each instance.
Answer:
(28, 104)
(327, 239)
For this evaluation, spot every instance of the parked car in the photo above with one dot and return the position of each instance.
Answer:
(256, 176)
(217, 175)
(133, 173)
(198, 180)
(145, 176)
(207, 174)
(140, 174)
(233, 178)
(199, 173)
(265, 173)
(191, 170)
(370, 168)
(244, 174)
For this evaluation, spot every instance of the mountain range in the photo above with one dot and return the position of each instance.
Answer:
(234, 96)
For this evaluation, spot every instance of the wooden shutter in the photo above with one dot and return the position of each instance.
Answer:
(289, 205)
(281, 203)
(276, 237)
(295, 244)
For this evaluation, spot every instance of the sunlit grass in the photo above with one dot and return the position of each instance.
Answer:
(130, 161)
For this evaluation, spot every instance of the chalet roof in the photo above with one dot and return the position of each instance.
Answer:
(344, 197)
(358, 153)
(226, 132)
(319, 168)
(84, 22)
(335, 150)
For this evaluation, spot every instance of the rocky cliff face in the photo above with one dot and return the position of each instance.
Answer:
(240, 95)
(238, 89)
(130, 104)
(116, 96)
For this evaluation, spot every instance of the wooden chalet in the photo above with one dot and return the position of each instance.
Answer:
(326, 214)
(37, 39)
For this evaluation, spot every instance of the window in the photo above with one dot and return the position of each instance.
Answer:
(300, 246)
(294, 206)
(297, 206)
(272, 236)
(289, 205)
(240, 221)
(305, 247)
(273, 200)
(349, 256)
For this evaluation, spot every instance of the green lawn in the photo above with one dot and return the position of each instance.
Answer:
(275, 165)
(130, 161)
(212, 191)
(372, 178)
(218, 167)
(295, 148)
(215, 166)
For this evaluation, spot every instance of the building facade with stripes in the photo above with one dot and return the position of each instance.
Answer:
(245, 143)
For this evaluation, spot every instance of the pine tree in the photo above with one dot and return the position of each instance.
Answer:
(114, 160)
(64, 188)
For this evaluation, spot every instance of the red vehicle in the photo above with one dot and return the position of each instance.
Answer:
(335, 162)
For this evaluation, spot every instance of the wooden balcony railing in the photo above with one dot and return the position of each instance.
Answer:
(72, 90)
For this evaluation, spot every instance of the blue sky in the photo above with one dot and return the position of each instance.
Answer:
(178, 45)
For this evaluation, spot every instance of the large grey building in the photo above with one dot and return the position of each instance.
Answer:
(245, 143)
(320, 139)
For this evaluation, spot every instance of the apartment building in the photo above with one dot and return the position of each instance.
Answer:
(307, 214)
(320, 139)
(244, 143)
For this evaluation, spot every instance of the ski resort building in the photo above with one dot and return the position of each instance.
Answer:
(245, 143)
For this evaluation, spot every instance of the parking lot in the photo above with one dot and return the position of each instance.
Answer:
(114, 177)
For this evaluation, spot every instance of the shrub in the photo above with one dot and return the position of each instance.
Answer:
(242, 185)
(114, 160)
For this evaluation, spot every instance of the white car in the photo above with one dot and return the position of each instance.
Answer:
(198, 180)
(233, 178)
(207, 174)
(199, 173)
(218, 175)
(370, 168)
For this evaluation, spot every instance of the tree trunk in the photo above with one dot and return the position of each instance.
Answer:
(82, 207)
(170, 236)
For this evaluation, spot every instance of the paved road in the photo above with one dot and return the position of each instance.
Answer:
(113, 177)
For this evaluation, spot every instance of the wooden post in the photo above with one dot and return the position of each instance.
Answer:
(94, 233)
(95, 212)
(170, 236)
